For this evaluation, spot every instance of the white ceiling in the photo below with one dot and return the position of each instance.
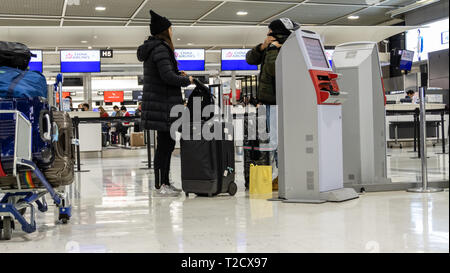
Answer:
(210, 37)
(210, 24)
(191, 12)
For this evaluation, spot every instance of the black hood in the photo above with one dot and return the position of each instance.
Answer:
(147, 47)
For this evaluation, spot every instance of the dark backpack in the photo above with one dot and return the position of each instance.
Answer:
(15, 55)
(204, 93)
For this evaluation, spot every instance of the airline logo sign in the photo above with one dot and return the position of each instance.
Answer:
(190, 54)
(234, 54)
(36, 62)
(80, 56)
(407, 55)
(190, 59)
(38, 58)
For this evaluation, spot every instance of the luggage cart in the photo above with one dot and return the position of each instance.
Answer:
(15, 202)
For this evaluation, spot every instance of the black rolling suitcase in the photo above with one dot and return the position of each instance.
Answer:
(208, 166)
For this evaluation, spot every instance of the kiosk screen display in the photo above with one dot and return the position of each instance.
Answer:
(315, 52)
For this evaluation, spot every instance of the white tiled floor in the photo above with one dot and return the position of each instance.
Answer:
(113, 211)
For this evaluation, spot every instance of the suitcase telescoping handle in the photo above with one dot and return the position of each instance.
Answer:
(48, 134)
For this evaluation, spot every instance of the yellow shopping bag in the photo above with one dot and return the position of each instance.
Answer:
(260, 179)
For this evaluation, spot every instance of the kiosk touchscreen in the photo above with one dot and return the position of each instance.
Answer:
(363, 114)
(310, 123)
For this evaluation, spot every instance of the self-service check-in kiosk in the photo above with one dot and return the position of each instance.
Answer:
(310, 123)
(363, 114)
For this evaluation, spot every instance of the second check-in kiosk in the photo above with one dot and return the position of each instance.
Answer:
(363, 113)
(310, 123)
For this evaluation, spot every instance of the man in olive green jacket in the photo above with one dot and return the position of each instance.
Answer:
(265, 54)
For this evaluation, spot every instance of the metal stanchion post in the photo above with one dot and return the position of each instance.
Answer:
(443, 132)
(149, 151)
(416, 118)
(423, 147)
(77, 136)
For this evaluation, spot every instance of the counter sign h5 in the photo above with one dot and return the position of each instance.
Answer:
(190, 59)
(235, 59)
(80, 61)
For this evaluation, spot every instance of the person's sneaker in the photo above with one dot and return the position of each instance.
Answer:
(173, 188)
(165, 191)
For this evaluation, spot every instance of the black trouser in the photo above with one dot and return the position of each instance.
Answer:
(164, 148)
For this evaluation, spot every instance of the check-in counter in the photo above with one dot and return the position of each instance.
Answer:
(400, 123)
(90, 134)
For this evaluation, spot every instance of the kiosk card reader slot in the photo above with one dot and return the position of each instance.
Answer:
(310, 123)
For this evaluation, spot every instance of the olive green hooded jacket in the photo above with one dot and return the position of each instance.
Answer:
(266, 93)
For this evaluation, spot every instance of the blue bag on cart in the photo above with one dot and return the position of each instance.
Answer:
(36, 110)
(16, 83)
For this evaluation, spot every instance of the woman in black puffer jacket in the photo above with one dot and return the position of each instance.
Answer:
(162, 91)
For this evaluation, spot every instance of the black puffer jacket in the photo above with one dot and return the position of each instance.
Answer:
(162, 84)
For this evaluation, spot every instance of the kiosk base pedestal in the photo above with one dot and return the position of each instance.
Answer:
(427, 190)
(339, 195)
(304, 201)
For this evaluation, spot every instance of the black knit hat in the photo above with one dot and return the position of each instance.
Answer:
(278, 27)
(158, 23)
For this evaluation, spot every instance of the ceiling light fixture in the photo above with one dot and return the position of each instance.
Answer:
(241, 13)
(100, 8)
(84, 42)
(353, 17)
(190, 44)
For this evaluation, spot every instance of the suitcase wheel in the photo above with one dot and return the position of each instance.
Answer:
(232, 188)
(187, 194)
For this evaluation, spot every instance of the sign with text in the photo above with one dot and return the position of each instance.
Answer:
(106, 53)
(235, 59)
(113, 96)
(64, 95)
(190, 59)
(36, 62)
(80, 61)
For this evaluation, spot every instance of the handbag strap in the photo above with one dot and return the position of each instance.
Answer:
(14, 83)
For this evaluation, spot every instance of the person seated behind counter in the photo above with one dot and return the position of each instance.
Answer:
(409, 97)
(103, 113)
(85, 106)
(116, 112)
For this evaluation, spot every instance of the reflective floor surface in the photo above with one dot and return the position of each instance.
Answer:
(113, 211)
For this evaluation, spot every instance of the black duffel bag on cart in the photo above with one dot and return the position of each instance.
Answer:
(15, 55)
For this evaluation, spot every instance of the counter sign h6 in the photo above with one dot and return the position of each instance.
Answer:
(190, 59)
(234, 59)
(79, 61)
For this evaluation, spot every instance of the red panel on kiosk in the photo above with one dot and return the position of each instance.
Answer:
(384, 92)
(322, 81)
(2, 173)
(113, 96)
